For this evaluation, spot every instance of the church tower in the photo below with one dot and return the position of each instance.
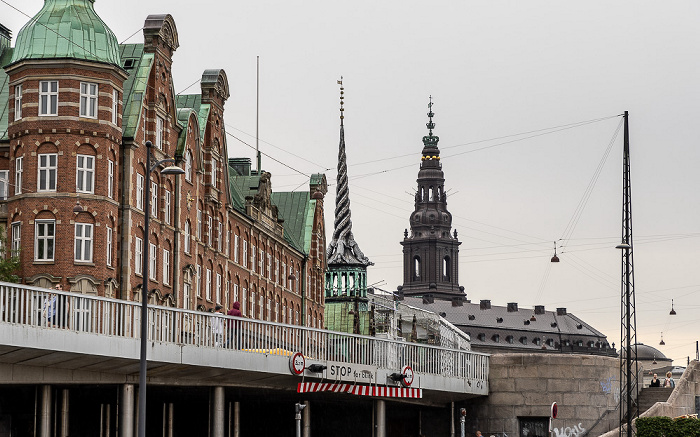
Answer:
(431, 251)
(346, 276)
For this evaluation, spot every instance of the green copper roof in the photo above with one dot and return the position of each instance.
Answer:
(138, 65)
(294, 207)
(67, 29)
(237, 198)
(194, 102)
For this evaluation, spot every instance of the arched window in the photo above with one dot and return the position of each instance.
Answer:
(432, 194)
(188, 237)
(446, 268)
(188, 166)
(416, 266)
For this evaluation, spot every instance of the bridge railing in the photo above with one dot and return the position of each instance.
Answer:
(52, 309)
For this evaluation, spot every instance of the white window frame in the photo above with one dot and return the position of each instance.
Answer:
(208, 285)
(48, 239)
(188, 166)
(154, 199)
(253, 255)
(115, 107)
(83, 242)
(245, 253)
(110, 236)
(214, 168)
(138, 256)
(4, 184)
(277, 271)
(16, 238)
(18, 102)
(244, 303)
(140, 180)
(235, 293)
(199, 280)
(166, 207)
(188, 237)
(218, 287)
(199, 224)
(49, 170)
(228, 243)
(19, 173)
(160, 128)
(88, 99)
(153, 261)
(186, 295)
(210, 235)
(48, 98)
(219, 240)
(235, 248)
(110, 179)
(166, 267)
(85, 174)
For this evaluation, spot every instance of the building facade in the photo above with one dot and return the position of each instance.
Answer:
(79, 110)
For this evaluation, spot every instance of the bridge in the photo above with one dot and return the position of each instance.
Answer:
(64, 352)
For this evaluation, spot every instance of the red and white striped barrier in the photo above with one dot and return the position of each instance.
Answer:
(360, 390)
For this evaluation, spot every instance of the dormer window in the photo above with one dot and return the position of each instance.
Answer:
(88, 99)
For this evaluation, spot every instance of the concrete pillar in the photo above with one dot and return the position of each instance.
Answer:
(171, 420)
(452, 419)
(306, 420)
(217, 412)
(380, 409)
(236, 419)
(65, 409)
(126, 411)
(45, 411)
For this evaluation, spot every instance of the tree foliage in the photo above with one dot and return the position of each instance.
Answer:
(9, 260)
(667, 427)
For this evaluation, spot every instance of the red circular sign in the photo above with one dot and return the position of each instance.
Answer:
(297, 363)
(554, 410)
(408, 379)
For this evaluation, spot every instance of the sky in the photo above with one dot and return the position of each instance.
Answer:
(527, 100)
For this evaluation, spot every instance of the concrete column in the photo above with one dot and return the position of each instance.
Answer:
(126, 411)
(64, 413)
(452, 419)
(171, 419)
(218, 407)
(380, 409)
(236, 419)
(45, 411)
(306, 420)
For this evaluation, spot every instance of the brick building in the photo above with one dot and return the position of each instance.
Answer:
(77, 110)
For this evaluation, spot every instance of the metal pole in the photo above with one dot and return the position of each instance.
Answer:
(144, 296)
(297, 410)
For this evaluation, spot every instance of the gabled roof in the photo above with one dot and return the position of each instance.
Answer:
(194, 102)
(138, 65)
(294, 207)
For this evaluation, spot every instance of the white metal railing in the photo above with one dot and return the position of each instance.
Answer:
(52, 309)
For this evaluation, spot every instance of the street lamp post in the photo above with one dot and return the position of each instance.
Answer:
(172, 170)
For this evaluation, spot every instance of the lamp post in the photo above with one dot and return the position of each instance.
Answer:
(170, 170)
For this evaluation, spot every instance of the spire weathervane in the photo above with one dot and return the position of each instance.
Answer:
(430, 125)
(431, 140)
(340, 82)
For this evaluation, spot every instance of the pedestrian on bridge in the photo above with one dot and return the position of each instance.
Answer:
(217, 326)
(234, 327)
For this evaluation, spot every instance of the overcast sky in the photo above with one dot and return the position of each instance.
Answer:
(512, 82)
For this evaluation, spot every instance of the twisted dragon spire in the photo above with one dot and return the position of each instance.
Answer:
(343, 248)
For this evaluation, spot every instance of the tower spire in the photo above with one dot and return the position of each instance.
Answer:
(343, 249)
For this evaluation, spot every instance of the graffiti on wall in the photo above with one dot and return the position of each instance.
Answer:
(569, 431)
(607, 386)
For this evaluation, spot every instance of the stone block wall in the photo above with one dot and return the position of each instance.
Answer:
(524, 386)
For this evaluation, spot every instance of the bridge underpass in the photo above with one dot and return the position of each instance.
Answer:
(80, 376)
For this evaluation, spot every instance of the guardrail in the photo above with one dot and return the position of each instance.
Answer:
(52, 309)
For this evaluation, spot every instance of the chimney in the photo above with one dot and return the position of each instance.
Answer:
(561, 311)
(539, 309)
(5, 38)
(485, 304)
(513, 307)
(240, 165)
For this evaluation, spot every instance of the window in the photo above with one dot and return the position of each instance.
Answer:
(199, 280)
(188, 166)
(446, 268)
(235, 248)
(186, 293)
(115, 106)
(220, 236)
(269, 266)
(534, 426)
(214, 165)
(154, 199)
(228, 243)
(44, 239)
(166, 207)
(187, 236)
(218, 288)
(199, 224)
(252, 258)
(110, 179)
(4, 183)
(88, 99)
(252, 304)
(210, 235)
(48, 97)
(159, 132)
(139, 191)
(152, 261)
(166, 267)
(235, 293)
(109, 246)
(16, 237)
(19, 170)
(284, 273)
(138, 256)
(85, 174)
(18, 102)
(48, 165)
(245, 253)
(83, 242)
(416, 267)
(208, 284)
(244, 297)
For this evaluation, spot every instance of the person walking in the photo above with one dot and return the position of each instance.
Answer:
(217, 326)
(234, 327)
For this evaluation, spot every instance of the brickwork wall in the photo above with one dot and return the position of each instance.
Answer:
(585, 388)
